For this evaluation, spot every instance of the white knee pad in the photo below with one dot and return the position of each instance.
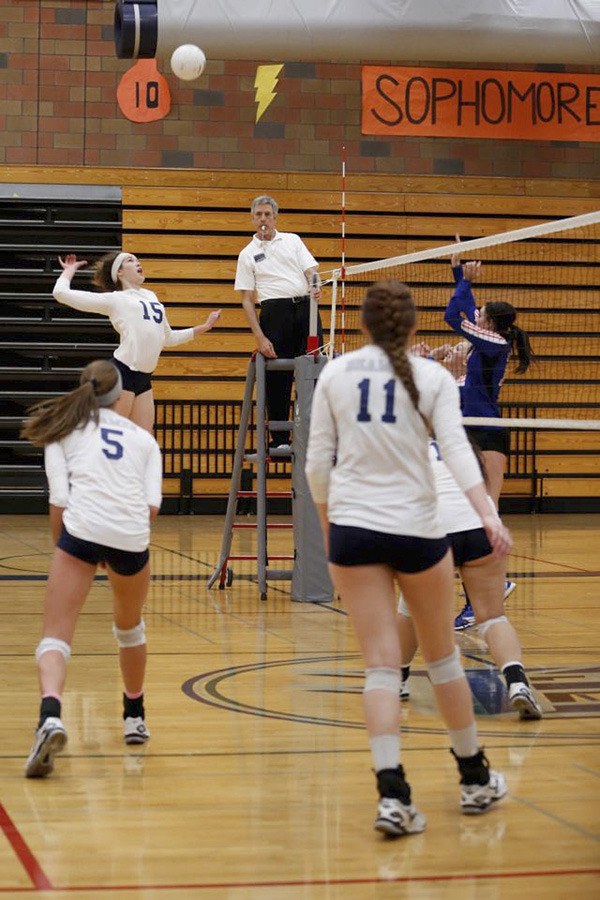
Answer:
(441, 671)
(488, 624)
(403, 607)
(382, 679)
(50, 643)
(130, 637)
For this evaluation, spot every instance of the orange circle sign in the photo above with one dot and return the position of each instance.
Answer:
(143, 93)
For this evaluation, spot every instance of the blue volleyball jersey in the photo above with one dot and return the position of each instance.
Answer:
(486, 363)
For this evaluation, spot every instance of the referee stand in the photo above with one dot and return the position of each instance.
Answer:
(308, 575)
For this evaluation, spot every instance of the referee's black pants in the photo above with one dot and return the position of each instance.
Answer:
(285, 321)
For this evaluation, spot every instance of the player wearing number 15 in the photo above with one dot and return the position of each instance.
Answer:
(140, 320)
(104, 474)
(373, 411)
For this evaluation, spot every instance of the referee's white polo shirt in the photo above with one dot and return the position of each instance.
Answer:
(274, 268)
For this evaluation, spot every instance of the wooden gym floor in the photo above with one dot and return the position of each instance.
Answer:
(256, 782)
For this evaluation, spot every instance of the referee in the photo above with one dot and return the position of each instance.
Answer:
(276, 269)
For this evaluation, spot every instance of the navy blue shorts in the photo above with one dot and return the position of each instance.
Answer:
(123, 562)
(469, 545)
(137, 382)
(497, 439)
(349, 546)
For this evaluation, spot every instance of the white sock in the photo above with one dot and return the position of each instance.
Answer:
(385, 750)
(464, 740)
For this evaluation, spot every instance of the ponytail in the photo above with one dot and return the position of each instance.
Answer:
(52, 420)
(503, 315)
(520, 341)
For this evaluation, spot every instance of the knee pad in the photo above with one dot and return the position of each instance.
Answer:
(441, 671)
(50, 643)
(497, 620)
(403, 607)
(382, 679)
(130, 637)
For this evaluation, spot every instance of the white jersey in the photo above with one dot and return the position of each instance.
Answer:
(106, 476)
(455, 511)
(274, 268)
(138, 317)
(363, 418)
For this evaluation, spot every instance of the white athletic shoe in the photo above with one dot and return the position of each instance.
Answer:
(477, 798)
(50, 739)
(396, 818)
(509, 587)
(404, 690)
(135, 731)
(522, 699)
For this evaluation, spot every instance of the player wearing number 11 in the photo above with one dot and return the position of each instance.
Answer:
(140, 320)
(373, 412)
(104, 474)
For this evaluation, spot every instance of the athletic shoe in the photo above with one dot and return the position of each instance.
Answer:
(509, 587)
(480, 786)
(465, 618)
(521, 698)
(404, 690)
(396, 818)
(135, 731)
(50, 739)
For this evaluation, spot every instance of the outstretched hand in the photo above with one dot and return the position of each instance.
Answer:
(472, 270)
(213, 318)
(70, 264)
(455, 258)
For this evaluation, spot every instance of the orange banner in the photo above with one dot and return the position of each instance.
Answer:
(480, 103)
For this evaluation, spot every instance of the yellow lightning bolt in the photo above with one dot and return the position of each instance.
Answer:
(265, 84)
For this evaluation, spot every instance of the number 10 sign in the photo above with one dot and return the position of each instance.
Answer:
(143, 94)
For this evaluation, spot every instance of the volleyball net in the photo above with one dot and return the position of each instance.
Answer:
(551, 275)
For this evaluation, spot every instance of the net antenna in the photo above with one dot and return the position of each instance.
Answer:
(551, 275)
(339, 277)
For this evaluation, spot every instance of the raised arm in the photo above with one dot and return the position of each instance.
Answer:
(84, 301)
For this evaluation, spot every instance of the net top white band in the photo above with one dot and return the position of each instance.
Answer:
(520, 234)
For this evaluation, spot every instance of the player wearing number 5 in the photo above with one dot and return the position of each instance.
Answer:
(140, 320)
(104, 474)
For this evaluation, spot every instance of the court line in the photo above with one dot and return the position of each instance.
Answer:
(555, 818)
(14, 837)
(316, 882)
(252, 578)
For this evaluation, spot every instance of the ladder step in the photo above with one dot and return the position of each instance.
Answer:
(254, 557)
(255, 525)
(268, 494)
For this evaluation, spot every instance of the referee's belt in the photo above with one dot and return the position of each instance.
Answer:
(289, 299)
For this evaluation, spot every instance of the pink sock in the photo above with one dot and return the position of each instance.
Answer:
(131, 696)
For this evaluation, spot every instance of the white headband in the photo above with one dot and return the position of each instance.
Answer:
(117, 265)
(109, 398)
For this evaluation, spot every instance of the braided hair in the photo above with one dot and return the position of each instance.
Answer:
(389, 315)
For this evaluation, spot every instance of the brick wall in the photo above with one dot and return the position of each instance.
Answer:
(58, 78)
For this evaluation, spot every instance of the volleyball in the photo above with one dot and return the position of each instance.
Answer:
(188, 61)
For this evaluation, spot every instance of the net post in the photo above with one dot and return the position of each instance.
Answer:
(310, 576)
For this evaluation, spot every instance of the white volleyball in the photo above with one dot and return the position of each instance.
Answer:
(188, 61)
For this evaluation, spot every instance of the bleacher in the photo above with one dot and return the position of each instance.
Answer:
(188, 228)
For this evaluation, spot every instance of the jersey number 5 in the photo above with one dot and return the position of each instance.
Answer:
(114, 448)
(389, 388)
